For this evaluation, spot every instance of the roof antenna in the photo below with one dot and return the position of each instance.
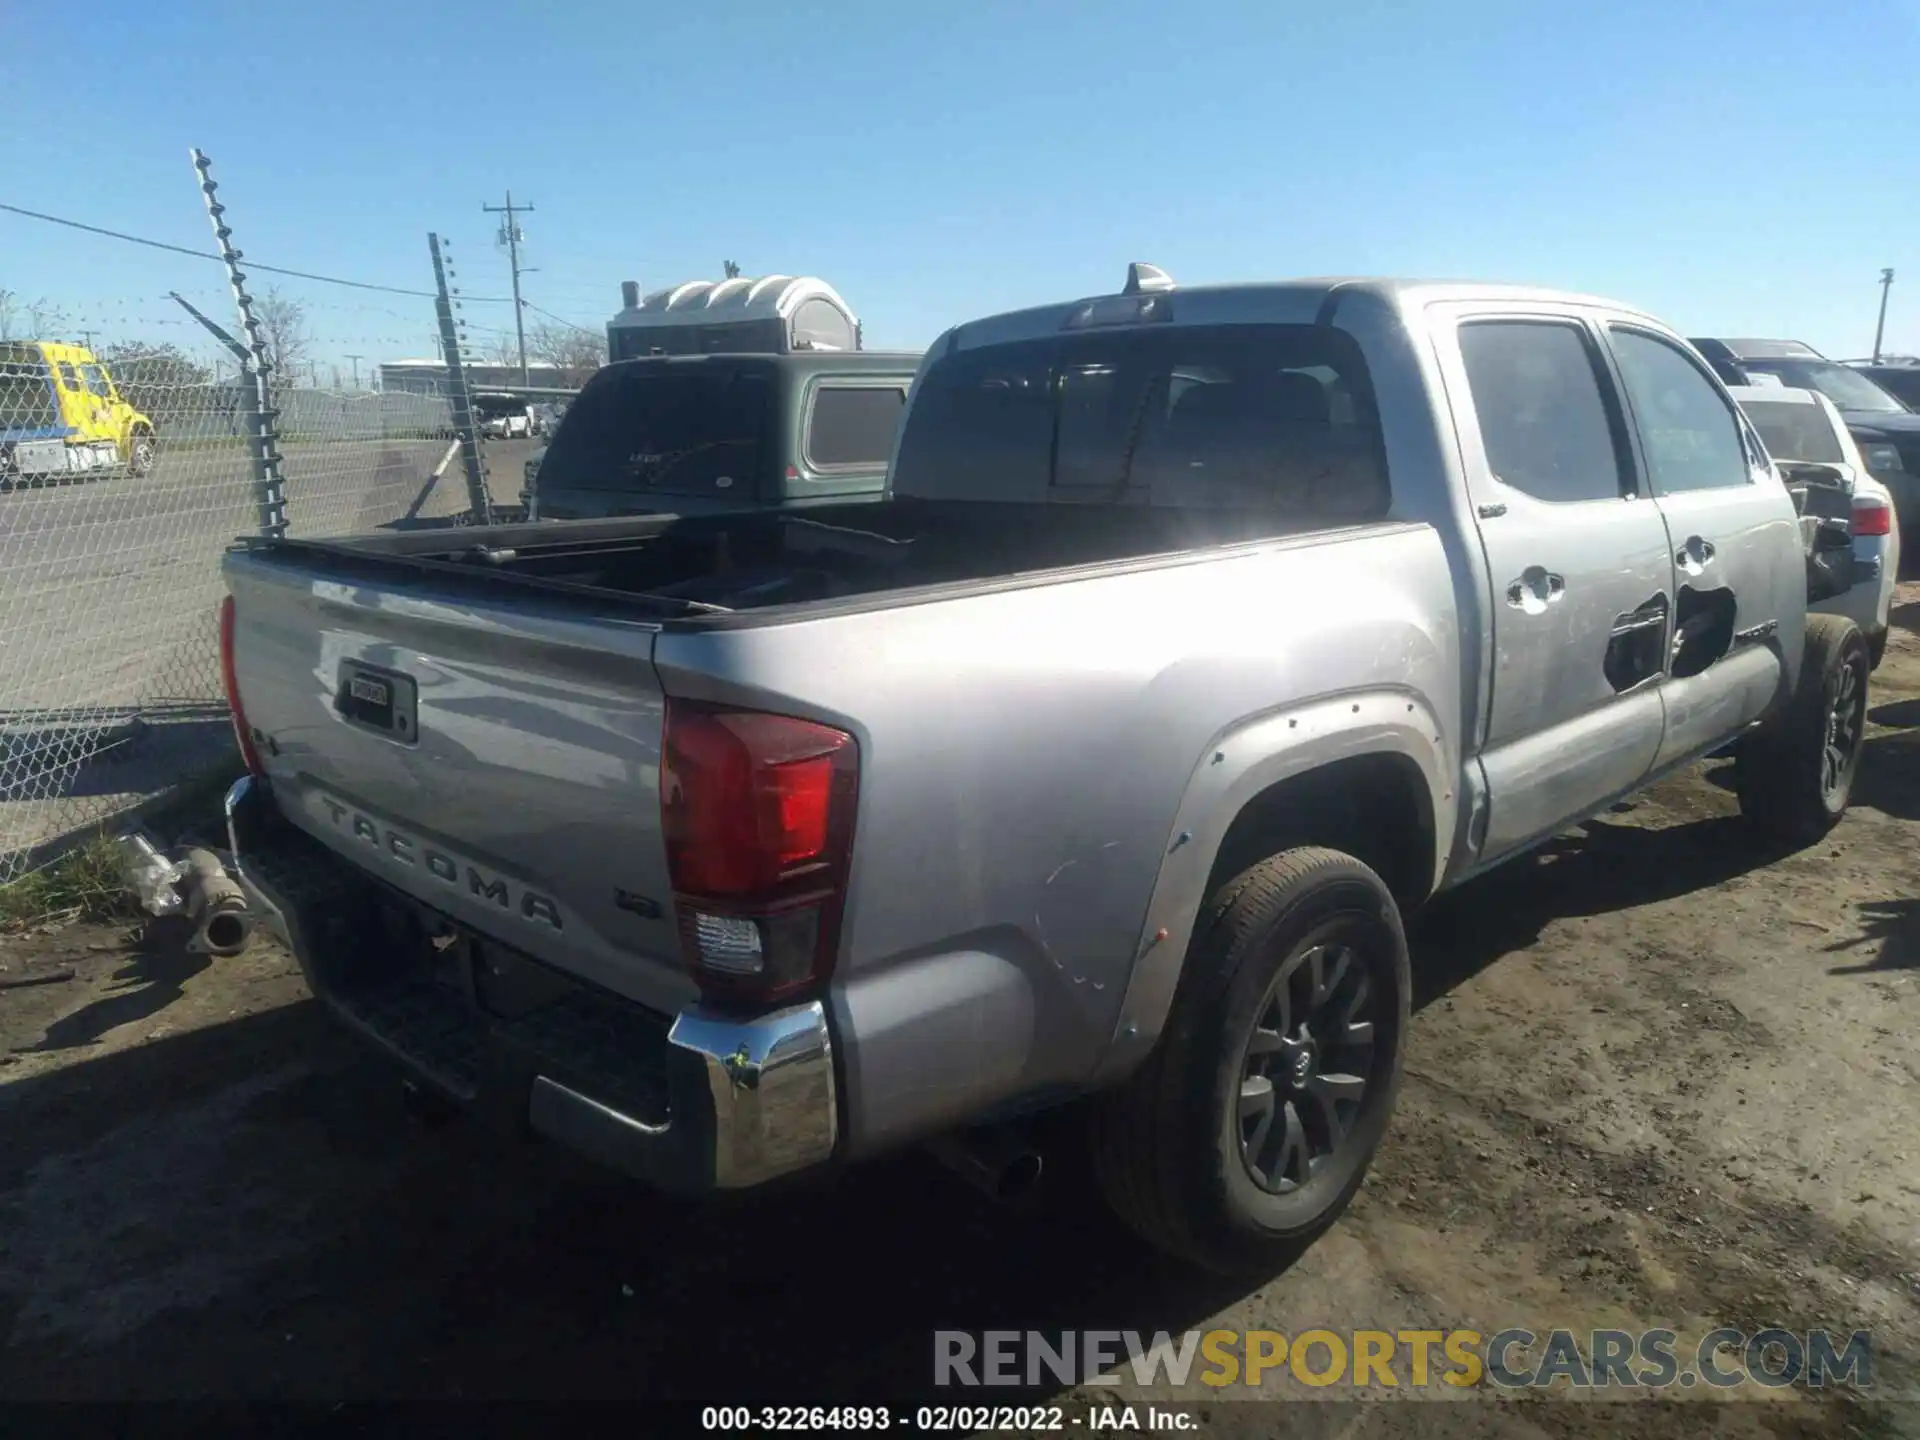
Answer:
(1142, 277)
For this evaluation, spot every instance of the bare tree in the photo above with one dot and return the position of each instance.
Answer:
(572, 350)
(24, 319)
(283, 329)
(45, 319)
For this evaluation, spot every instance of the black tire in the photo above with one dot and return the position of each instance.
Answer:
(1795, 774)
(1171, 1144)
(1876, 649)
(140, 453)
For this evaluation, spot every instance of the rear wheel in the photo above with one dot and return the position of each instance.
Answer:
(1795, 775)
(140, 452)
(1251, 1126)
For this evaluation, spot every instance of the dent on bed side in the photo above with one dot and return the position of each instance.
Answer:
(1393, 725)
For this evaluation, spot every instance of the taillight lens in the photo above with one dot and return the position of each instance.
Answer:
(757, 814)
(1871, 517)
(242, 732)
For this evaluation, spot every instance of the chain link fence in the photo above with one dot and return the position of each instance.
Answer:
(124, 476)
(134, 452)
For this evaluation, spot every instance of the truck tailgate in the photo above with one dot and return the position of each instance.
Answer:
(499, 763)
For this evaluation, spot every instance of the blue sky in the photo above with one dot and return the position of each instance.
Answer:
(1735, 168)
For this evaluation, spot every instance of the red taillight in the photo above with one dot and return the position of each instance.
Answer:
(242, 732)
(1870, 517)
(757, 814)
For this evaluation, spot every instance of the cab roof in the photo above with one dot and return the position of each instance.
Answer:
(1306, 300)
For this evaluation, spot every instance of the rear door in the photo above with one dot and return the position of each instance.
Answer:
(1581, 568)
(1740, 585)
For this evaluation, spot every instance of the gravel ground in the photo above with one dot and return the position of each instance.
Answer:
(1660, 1076)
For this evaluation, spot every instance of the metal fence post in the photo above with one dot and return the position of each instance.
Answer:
(256, 389)
(478, 501)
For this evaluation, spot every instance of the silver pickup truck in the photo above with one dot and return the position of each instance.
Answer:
(1204, 634)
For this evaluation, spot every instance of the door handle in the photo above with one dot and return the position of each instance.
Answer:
(1695, 555)
(1535, 590)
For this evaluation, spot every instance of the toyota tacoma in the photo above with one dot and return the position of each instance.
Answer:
(1202, 635)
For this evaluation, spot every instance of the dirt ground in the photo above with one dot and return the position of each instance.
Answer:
(1660, 1076)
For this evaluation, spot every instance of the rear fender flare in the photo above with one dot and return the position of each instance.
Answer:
(1239, 765)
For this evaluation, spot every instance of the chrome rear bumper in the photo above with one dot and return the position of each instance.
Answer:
(704, 1102)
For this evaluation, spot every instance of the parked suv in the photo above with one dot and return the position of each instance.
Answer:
(1887, 432)
(701, 434)
(1902, 381)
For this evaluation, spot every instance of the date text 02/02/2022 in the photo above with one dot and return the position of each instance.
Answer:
(935, 1419)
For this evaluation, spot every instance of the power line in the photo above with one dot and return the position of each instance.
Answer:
(251, 264)
(559, 319)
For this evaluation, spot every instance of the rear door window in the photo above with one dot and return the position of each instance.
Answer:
(853, 425)
(1542, 413)
(643, 432)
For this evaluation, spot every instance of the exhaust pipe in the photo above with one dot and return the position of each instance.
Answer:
(630, 294)
(216, 905)
(995, 1161)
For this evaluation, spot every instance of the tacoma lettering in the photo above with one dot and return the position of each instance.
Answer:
(393, 844)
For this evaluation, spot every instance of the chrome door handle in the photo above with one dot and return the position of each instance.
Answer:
(1535, 590)
(1695, 555)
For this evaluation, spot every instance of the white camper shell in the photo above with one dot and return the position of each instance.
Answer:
(774, 315)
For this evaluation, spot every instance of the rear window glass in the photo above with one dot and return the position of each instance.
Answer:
(1270, 417)
(853, 424)
(643, 432)
(1794, 431)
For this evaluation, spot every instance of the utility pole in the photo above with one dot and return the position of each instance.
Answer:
(356, 359)
(512, 233)
(1880, 330)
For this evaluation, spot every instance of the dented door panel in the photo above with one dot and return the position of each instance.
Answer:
(1580, 564)
(1739, 591)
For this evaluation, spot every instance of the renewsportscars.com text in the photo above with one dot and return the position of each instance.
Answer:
(1514, 1358)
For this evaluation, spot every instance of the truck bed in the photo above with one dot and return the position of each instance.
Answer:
(534, 663)
(753, 561)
